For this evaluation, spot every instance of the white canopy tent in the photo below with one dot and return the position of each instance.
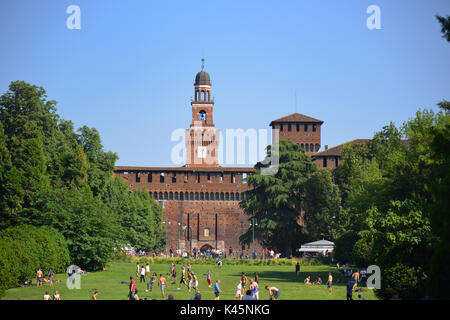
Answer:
(321, 246)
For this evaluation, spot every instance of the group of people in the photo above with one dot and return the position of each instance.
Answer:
(247, 289)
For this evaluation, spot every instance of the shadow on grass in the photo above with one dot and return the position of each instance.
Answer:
(291, 277)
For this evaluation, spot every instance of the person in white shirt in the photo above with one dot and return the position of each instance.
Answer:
(56, 296)
(47, 296)
(142, 279)
(147, 271)
(239, 291)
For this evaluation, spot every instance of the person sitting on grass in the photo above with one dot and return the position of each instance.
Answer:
(47, 296)
(56, 296)
(307, 280)
(94, 296)
(318, 281)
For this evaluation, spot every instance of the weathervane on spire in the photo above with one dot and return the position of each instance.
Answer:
(203, 63)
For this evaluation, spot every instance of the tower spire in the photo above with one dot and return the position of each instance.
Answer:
(203, 63)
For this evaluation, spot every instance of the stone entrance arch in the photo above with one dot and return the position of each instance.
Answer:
(205, 248)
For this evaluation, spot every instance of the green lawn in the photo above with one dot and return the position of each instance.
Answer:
(108, 283)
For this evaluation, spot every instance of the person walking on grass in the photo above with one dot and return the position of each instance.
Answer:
(217, 290)
(39, 278)
(349, 290)
(330, 283)
(183, 278)
(274, 293)
(208, 278)
(355, 277)
(238, 291)
(138, 269)
(162, 282)
(132, 288)
(147, 272)
(254, 289)
(189, 281)
(151, 282)
(142, 278)
(195, 282)
(297, 269)
(244, 282)
(50, 277)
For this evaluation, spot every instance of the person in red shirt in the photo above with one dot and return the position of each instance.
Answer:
(132, 288)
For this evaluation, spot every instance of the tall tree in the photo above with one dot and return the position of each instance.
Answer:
(275, 201)
(322, 207)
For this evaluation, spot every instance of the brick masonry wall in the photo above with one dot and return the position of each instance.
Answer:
(231, 220)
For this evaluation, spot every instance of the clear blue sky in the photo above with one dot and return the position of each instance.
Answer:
(129, 71)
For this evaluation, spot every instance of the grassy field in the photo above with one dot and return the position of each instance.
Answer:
(108, 283)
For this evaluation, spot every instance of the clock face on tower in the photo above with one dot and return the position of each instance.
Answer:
(201, 152)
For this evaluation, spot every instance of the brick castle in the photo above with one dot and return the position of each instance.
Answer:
(200, 200)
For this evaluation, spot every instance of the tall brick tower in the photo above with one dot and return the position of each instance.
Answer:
(202, 139)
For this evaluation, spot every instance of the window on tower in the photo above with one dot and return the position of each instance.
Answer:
(202, 115)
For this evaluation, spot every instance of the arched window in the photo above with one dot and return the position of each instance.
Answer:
(222, 196)
(191, 196)
(307, 147)
(196, 196)
(311, 147)
(202, 196)
(237, 196)
(181, 196)
(176, 195)
(209, 98)
(211, 196)
(203, 95)
(196, 95)
(170, 195)
(232, 196)
(202, 115)
(166, 196)
(207, 196)
(217, 197)
(317, 147)
(302, 145)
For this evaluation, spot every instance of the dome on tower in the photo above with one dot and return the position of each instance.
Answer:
(202, 78)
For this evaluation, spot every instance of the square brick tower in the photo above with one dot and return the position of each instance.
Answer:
(300, 129)
(202, 139)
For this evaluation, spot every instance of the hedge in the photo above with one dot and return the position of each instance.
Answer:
(26, 248)
(210, 261)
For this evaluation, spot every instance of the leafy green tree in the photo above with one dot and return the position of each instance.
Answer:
(445, 23)
(322, 207)
(138, 214)
(275, 201)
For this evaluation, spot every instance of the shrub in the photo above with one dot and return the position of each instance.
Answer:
(26, 248)
(407, 282)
